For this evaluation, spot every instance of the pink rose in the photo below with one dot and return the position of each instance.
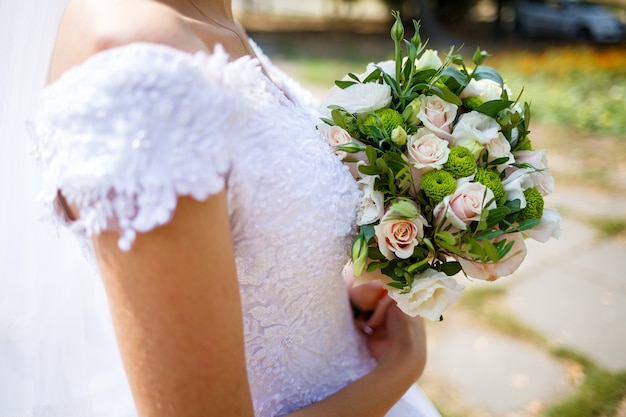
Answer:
(397, 235)
(437, 115)
(465, 205)
(336, 136)
(506, 266)
(426, 151)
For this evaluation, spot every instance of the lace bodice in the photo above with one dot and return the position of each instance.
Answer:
(133, 128)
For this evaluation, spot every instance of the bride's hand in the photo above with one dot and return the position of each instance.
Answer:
(395, 338)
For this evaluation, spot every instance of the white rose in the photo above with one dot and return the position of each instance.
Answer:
(515, 182)
(465, 205)
(335, 136)
(437, 115)
(429, 60)
(500, 148)
(359, 99)
(388, 67)
(484, 89)
(372, 206)
(426, 151)
(397, 236)
(475, 127)
(549, 227)
(430, 295)
(542, 178)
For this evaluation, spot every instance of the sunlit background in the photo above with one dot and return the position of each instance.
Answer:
(551, 339)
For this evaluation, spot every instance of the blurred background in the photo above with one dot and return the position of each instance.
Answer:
(549, 340)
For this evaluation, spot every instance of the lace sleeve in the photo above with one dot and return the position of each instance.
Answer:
(127, 132)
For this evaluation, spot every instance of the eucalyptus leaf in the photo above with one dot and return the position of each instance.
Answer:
(488, 73)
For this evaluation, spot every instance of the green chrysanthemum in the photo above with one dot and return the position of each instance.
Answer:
(472, 103)
(490, 179)
(461, 162)
(390, 119)
(534, 205)
(438, 184)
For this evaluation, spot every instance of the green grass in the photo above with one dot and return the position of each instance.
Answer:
(599, 394)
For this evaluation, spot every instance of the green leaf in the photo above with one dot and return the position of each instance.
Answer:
(446, 94)
(504, 247)
(450, 268)
(344, 83)
(457, 75)
(404, 208)
(368, 231)
(446, 237)
(495, 216)
(528, 224)
(490, 250)
(368, 170)
(375, 266)
(493, 107)
(373, 76)
(490, 234)
(371, 154)
(354, 77)
(488, 73)
(499, 161)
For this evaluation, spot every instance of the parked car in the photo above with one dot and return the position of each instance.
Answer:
(570, 19)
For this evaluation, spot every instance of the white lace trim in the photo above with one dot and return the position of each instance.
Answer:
(126, 133)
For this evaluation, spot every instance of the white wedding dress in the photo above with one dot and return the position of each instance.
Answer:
(133, 128)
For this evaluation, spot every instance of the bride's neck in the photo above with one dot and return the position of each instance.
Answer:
(220, 11)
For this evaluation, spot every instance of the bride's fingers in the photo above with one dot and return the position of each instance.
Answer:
(380, 313)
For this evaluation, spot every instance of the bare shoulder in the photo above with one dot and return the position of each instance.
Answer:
(92, 26)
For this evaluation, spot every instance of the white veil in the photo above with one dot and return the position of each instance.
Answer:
(57, 350)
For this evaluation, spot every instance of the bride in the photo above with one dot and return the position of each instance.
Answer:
(190, 170)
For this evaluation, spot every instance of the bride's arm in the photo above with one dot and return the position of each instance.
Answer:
(175, 303)
(176, 308)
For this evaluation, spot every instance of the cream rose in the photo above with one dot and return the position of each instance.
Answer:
(475, 127)
(500, 148)
(506, 266)
(427, 151)
(429, 60)
(335, 136)
(484, 89)
(372, 206)
(359, 99)
(549, 227)
(437, 115)
(397, 236)
(430, 295)
(465, 205)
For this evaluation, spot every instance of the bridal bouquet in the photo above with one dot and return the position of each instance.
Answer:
(449, 178)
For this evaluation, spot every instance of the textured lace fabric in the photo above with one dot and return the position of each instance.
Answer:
(133, 128)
